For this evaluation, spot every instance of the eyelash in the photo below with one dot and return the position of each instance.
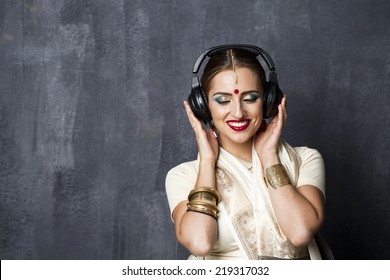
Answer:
(252, 99)
(222, 102)
(249, 100)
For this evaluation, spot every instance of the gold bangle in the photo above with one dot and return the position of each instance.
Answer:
(276, 176)
(211, 215)
(203, 209)
(203, 202)
(204, 196)
(205, 190)
(204, 206)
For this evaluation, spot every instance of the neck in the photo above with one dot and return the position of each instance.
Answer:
(241, 150)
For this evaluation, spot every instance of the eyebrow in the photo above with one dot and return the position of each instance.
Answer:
(243, 93)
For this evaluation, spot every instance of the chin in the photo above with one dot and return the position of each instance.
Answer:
(243, 140)
(238, 139)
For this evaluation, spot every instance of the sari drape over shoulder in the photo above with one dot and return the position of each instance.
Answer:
(246, 203)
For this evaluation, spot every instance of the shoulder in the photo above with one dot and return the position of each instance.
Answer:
(180, 180)
(312, 168)
(183, 169)
(182, 176)
(310, 158)
(306, 152)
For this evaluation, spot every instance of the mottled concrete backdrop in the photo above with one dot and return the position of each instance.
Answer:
(91, 116)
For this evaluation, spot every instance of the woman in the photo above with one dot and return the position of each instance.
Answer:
(249, 195)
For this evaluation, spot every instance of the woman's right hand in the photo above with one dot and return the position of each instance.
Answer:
(207, 143)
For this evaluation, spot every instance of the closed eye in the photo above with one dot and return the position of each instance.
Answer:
(251, 100)
(221, 100)
(251, 97)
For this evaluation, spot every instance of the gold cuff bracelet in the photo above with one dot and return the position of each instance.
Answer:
(276, 176)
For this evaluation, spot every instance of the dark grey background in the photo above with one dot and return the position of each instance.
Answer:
(91, 116)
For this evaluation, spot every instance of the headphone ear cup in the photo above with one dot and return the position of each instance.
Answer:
(266, 101)
(272, 97)
(199, 105)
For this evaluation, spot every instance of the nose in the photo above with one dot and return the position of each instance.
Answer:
(238, 110)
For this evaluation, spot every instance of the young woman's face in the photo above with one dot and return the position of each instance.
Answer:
(236, 108)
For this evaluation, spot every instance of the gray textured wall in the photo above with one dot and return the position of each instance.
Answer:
(91, 116)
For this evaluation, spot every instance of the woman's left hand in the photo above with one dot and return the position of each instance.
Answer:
(268, 137)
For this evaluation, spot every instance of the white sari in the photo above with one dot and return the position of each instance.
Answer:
(246, 203)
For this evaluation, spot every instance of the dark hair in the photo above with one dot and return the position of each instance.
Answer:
(222, 60)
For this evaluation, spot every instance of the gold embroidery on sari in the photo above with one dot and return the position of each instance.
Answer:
(241, 217)
(266, 240)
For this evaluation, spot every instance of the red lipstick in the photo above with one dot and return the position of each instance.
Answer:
(239, 125)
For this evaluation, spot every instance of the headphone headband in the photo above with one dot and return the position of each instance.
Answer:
(251, 48)
(198, 98)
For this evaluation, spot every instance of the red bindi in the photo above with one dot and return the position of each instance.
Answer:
(236, 91)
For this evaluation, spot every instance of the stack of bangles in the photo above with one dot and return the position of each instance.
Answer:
(204, 200)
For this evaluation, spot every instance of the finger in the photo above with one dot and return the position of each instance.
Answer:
(277, 121)
(280, 120)
(211, 133)
(284, 101)
(191, 117)
(191, 114)
(282, 111)
(284, 106)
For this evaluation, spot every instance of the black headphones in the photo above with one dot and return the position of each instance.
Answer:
(198, 99)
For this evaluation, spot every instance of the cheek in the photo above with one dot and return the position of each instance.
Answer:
(217, 111)
(214, 114)
(257, 112)
(257, 123)
(217, 115)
